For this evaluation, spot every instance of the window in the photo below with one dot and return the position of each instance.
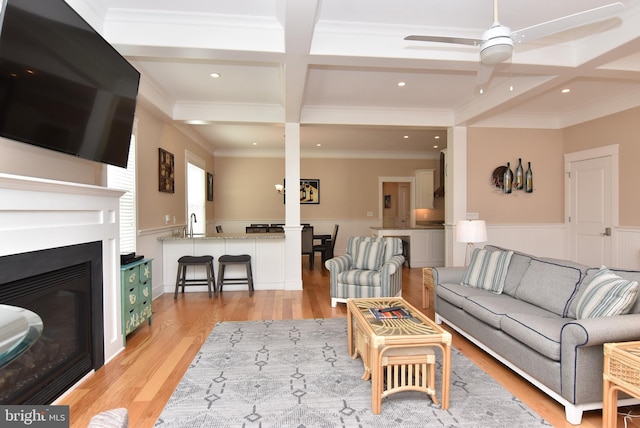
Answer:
(125, 179)
(196, 192)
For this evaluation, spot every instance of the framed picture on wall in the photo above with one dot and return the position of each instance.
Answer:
(209, 186)
(309, 191)
(166, 171)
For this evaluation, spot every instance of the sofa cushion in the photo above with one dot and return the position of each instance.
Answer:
(491, 308)
(487, 270)
(549, 285)
(392, 247)
(457, 293)
(367, 278)
(369, 255)
(517, 267)
(607, 294)
(631, 275)
(540, 331)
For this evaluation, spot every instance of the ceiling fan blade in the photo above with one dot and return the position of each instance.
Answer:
(567, 22)
(484, 76)
(441, 39)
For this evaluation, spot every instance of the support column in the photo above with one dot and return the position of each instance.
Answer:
(293, 229)
(455, 193)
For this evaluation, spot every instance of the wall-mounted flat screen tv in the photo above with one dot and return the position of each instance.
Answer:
(62, 86)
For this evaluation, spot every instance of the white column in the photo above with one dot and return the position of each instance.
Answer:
(293, 239)
(455, 193)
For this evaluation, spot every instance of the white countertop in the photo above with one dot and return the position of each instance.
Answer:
(218, 236)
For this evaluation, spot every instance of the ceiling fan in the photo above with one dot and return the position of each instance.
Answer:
(496, 43)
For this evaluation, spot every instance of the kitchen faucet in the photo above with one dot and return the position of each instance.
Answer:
(192, 220)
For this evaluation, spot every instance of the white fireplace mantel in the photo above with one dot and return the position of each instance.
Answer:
(37, 214)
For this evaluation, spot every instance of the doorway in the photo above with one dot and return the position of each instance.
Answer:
(396, 202)
(592, 201)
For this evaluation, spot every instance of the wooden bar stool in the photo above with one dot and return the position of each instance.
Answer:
(224, 261)
(186, 261)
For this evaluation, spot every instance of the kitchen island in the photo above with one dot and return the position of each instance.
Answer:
(426, 243)
(266, 251)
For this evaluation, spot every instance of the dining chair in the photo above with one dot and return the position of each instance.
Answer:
(307, 243)
(326, 247)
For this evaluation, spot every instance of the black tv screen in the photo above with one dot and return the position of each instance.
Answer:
(62, 86)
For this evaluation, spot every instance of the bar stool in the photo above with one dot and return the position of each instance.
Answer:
(181, 279)
(224, 261)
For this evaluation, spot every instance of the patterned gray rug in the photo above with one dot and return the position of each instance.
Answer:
(297, 373)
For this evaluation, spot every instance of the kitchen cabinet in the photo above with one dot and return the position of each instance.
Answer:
(424, 188)
(426, 245)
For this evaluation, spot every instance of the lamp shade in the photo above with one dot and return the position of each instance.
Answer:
(471, 231)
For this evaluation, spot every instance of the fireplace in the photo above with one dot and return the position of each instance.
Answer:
(64, 287)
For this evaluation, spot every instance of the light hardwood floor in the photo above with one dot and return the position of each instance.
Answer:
(144, 375)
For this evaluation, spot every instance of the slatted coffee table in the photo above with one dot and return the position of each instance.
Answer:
(621, 372)
(406, 344)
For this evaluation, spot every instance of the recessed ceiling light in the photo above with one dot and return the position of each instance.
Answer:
(401, 84)
(566, 90)
(435, 146)
(405, 137)
(215, 75)
(255, 144)
(437, 137)
(318, 145)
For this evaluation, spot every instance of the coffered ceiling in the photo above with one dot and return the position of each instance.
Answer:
(334, 67)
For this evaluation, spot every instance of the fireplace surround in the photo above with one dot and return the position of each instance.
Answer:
(63, 286)
(40, 215)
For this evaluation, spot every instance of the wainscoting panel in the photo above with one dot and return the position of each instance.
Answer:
(627, 248)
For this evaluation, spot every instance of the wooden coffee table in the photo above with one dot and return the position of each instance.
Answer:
(404, 341)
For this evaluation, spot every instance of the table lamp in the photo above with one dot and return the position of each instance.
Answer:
(470, 232)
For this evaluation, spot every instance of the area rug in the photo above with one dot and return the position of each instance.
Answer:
(297, 373)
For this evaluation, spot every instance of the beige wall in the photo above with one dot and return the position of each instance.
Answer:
(31, 161)
(349, 187)
(622, 129)
(153, 205)
(244, 187)
(489, 148)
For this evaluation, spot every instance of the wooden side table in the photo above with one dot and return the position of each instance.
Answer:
(427, 287)
(621, 373)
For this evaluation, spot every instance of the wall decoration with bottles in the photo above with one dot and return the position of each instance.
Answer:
(508, 180)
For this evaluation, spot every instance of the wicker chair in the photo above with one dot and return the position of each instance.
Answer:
(372, 267)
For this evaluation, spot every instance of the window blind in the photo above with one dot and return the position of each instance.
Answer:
(125, 179)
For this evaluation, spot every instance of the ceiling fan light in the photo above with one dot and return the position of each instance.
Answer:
(496, 50)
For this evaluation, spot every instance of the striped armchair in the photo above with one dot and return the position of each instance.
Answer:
(372, 267)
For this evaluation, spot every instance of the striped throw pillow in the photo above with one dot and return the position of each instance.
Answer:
(487, 270)
(607, 295)
(369, 255)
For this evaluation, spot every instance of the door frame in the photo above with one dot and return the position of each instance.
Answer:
(598, 152)
(412, 202)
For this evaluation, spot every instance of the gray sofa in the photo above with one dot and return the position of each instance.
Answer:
(535, 326)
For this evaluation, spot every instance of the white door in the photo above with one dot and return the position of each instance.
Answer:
(591, 206)
(403, 205)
